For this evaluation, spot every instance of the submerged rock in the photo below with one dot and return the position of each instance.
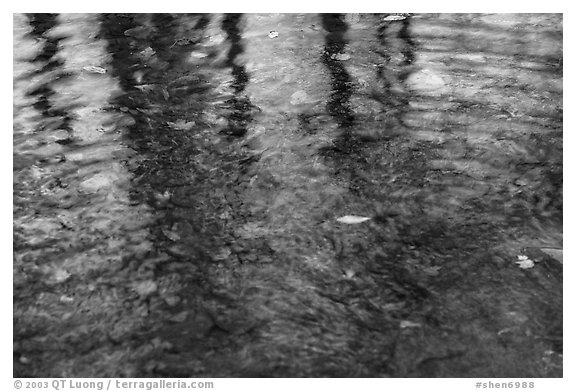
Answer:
(97, 182)
(300, 97)
(427, 81)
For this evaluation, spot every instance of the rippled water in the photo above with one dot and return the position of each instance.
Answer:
(177, 180)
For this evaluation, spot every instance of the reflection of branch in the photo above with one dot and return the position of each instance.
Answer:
(335, 43)
(241, 105)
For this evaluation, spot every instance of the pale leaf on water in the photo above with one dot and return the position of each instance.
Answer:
(407, 323)
(198, 55)
(348, 219)
(340, 56)
(525, 264)
(181, 125)
(392, 18)
(94, 69)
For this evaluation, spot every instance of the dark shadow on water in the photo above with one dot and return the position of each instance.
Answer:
(345, 153)
(335, 44)
(230, 25)
(242, 108)
(391, 73)
(410, 45)
(41, 25)
(178, 168)
(160, 89)
(338, 105)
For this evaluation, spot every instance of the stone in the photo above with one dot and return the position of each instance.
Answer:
(299, 97)
(427, 81)
(97, 182)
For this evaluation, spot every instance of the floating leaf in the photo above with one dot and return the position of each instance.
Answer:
(340, 56)
(181, 125)
(406, 323)
(94, 69)
(524, 262)
(198, 55)
(273, 34)
(352, 219)
(66, 299)
(182, 42)
(392, 18)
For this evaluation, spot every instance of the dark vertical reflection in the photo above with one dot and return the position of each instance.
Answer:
(393, 73)
(168, 37)
(162, 28)
(42, 24)
(335, 43)
(178, 171)
(345, 151)
(409, 45)
(160, 89)
(169, 96)
(232, 29)
(165, 95)
(125, 66)
(112, 29)
(241, 114)
(352, 159)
